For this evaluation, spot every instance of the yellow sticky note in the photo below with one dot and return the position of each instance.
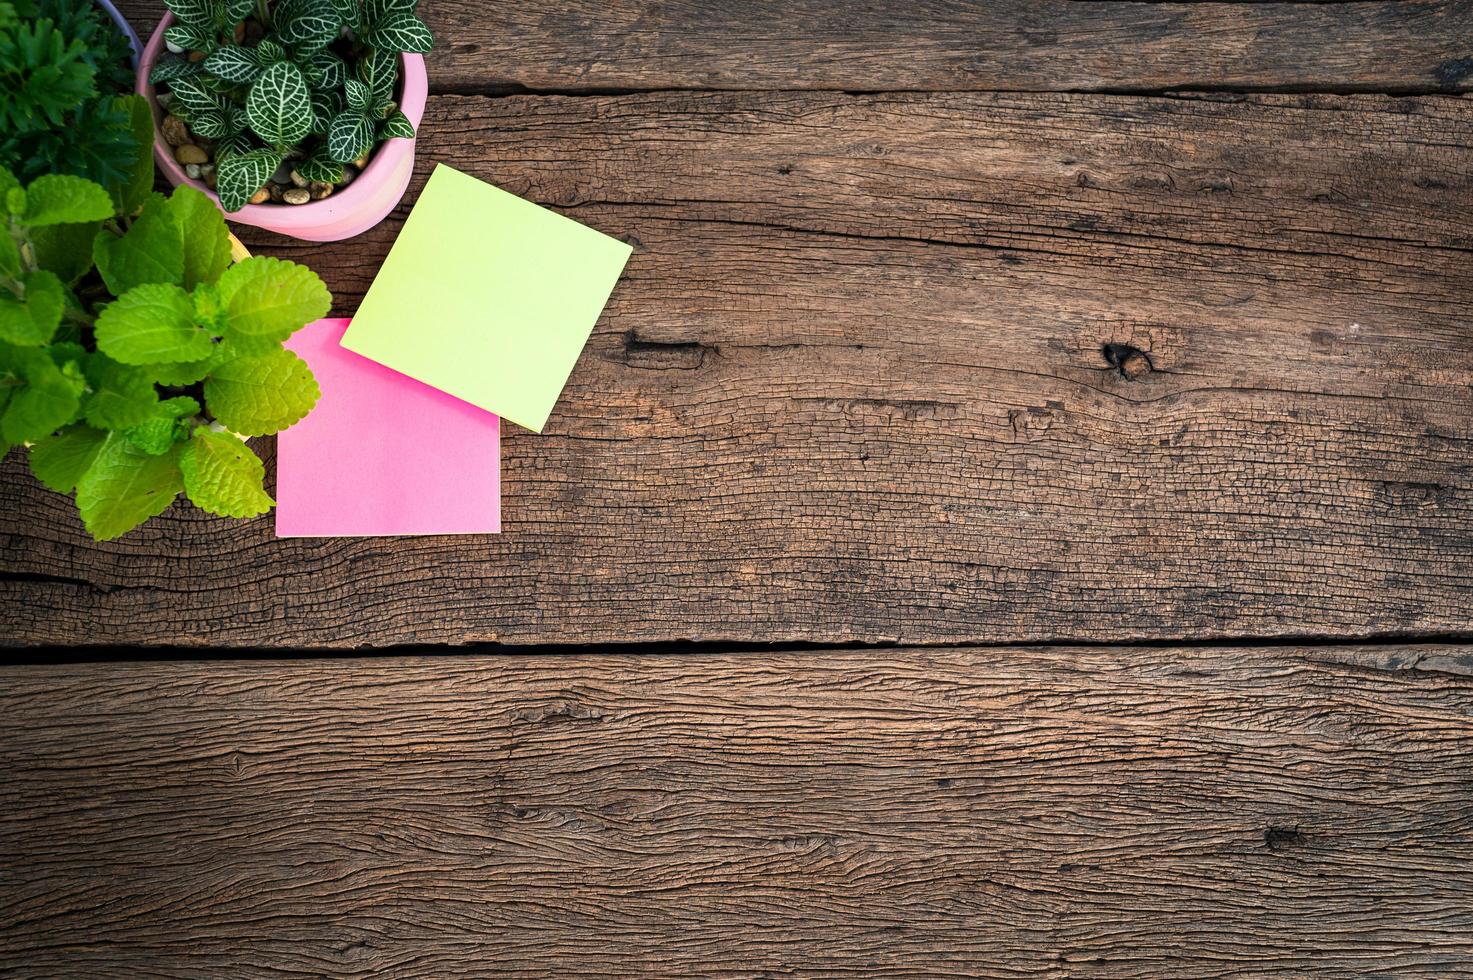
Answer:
(487, 297)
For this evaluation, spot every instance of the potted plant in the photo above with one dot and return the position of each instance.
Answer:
(135, 356)
(297, 116)
(66, 75)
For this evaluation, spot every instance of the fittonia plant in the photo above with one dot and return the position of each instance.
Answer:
(308, 84)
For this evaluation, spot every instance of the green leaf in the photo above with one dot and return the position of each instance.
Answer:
(278, 108)
(234, 63)
(129, 194)
(48, 400)
(262, 394)
(210, 125)
(200, 13)
(223, 476)
(125, 486)
(359, 95)
(9, 253)
(237, 11)
(59, 460)
(151, 251)
(33, 322)
(64, 249)
(238, 176)
(188, 372)
(313, 29)
(171, 423)
(376, 10)
(396, 126)
(321, 168)
(61, 199)
(235, 145)
(170, 69)
(269, 52)
(205, 237)
(191, 38)
(15, 201)
(400, 31)
(121, 396)
(152, 324)
(380, 71)
(324, 70)
(266, 300)
(349, 136)
(192, 94)
(350, 12)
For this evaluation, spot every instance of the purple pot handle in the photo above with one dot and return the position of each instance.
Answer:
(127, 29)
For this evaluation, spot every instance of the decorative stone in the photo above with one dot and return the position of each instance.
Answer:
(173, 48)
(297, 195)
(361, 162)
(349, 172)
(298, 179)
(261, 196)
(176, 133)
(192, 169)
(196, 56)
(275, 190)
(210, 179)
(240, 31)
(189, 153)
(319, 191)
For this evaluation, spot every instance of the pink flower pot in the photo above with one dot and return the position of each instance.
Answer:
(348, 212)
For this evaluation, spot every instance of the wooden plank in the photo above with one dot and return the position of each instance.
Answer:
(855, 385)
(942, 45)
(1091, 812)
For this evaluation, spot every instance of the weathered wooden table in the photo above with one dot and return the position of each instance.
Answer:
(1015, 517)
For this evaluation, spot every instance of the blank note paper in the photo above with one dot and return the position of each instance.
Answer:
(488, 297)
(382, 453)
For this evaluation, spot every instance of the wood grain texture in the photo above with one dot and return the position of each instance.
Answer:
(1093, 812)
(855, 386)
(929, 45)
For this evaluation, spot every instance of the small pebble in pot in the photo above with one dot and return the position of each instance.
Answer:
(173, 48)
(319, 191)
(297, 195)
(192, 169)
(240, 30)
(361, 162)
(189, 153)
(176, 133)
(275, 190)
(261, 196)
(348, 174)
(210, 179)
(196, 56)
(165, 99)
(298, 179)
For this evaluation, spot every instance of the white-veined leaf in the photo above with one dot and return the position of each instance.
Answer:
(234, 63)
(279, 107)
(400, 31)
(239, 175)
(349, 136)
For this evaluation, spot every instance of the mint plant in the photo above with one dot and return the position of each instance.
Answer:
(301, 90)
(134, 356)
(65, 71)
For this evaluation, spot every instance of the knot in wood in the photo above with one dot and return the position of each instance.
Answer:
(1131, 362)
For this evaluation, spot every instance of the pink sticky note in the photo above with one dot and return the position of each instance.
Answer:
(382, 453)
